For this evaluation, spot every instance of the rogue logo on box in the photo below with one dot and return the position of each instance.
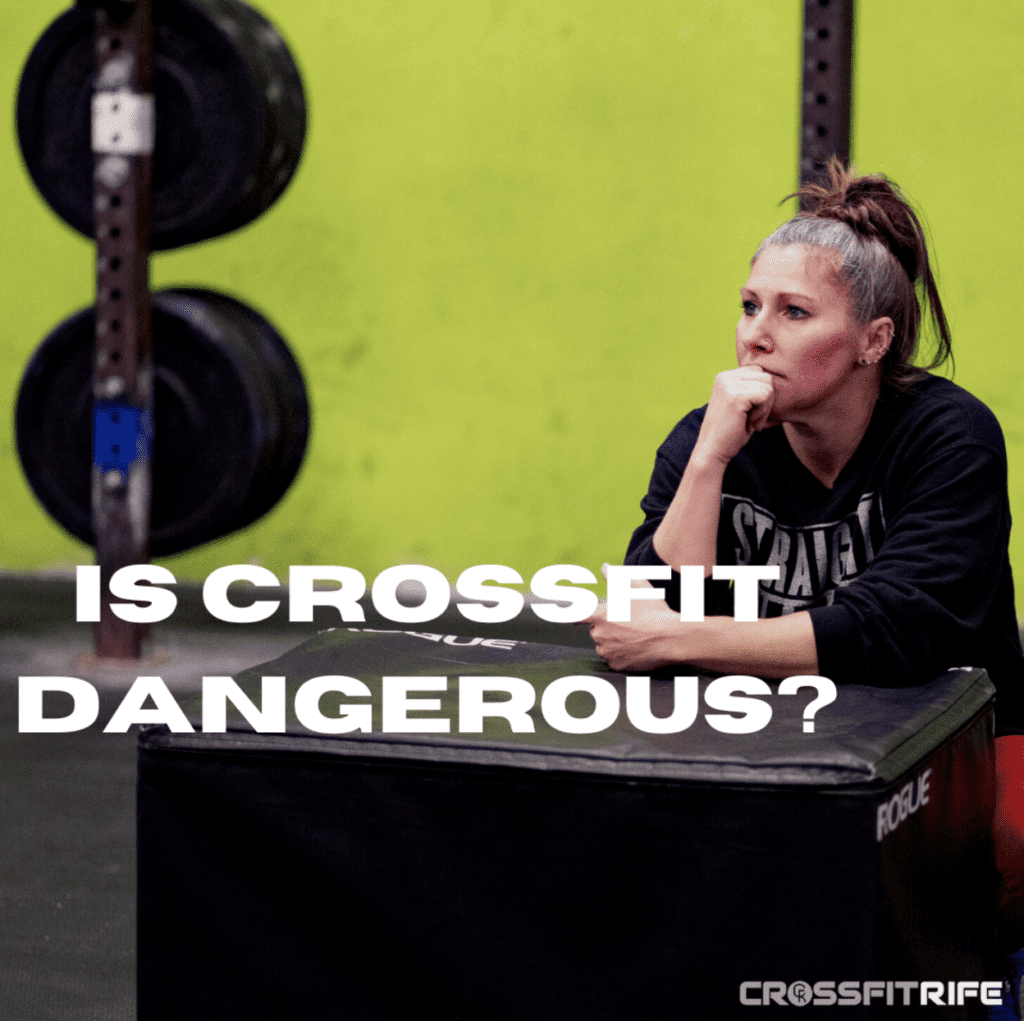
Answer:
(902, 804)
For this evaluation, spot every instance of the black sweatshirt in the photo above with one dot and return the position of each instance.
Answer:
(903, 564)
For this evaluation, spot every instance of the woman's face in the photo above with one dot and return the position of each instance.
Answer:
(797, 325)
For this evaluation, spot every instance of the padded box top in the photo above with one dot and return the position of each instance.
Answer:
(866, 736)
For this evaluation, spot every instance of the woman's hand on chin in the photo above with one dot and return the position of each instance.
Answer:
(741, 404)
(639, 644)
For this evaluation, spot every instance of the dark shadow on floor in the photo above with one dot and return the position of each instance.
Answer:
(67, 802)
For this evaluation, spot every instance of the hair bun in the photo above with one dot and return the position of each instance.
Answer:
(856, 216)
(871, 205)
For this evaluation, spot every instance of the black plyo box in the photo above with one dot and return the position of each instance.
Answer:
(605, 876)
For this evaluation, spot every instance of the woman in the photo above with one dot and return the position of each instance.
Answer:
(878, 490)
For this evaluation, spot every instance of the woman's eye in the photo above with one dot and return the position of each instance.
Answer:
(749, 308)
(796, 312)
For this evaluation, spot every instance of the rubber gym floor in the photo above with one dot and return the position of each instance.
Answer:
(67, 852)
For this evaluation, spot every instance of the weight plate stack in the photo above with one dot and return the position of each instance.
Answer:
(230, 118)
(231, 420)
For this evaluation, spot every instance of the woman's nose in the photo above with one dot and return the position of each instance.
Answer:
(757, 336)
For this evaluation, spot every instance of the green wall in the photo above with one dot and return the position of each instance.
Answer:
(510, 258)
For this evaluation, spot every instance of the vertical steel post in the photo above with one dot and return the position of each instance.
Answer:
(122, 143)
(827, 84)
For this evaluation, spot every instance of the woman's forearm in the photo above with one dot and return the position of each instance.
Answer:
(688, 532)
(772, 647)
(741, 400)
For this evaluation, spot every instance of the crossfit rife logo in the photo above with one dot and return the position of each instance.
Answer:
(890, 993)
